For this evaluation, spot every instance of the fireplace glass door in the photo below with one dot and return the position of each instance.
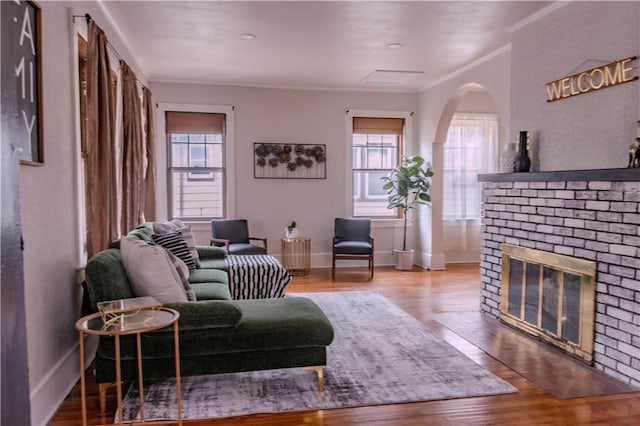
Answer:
(551, 296)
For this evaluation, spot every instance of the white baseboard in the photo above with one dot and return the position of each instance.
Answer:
(47, 396)
(427, 261)
(463, 256)
(435, 262)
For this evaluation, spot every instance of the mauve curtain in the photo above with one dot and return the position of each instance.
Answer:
(102, 210)
(150, 175)
(133, 148)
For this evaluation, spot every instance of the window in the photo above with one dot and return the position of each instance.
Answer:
(376, 149)
(197, 169)
(471, 148)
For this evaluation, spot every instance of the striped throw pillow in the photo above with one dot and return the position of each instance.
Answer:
(175, 243)
(187, 233)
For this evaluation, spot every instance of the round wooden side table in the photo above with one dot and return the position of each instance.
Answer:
(296, 255)
(131, 322)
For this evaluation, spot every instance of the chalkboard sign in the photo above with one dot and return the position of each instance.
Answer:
(22, 78)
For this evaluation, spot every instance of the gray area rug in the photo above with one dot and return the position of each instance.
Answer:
(380, 355)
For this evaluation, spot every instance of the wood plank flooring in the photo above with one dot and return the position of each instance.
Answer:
(423, 294)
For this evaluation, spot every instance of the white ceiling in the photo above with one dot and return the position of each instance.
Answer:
(305, 44)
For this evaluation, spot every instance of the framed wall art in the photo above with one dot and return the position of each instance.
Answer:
(289, 161)
(22, 78)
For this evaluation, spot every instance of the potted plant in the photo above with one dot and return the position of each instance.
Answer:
(291, 231)
(408, 186)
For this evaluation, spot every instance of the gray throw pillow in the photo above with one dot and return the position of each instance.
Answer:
(151, 271)
(183, 273)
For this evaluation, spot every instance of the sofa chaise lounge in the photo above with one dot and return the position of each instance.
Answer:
(217, 334)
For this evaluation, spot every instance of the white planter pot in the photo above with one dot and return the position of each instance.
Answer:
(292, 234)
(404, 259)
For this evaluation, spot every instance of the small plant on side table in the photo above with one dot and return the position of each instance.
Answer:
(292, 230)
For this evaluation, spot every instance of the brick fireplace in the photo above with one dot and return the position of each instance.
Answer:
(592, 215)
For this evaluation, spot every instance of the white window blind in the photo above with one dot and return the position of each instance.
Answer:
(376, 151)
(197, 169)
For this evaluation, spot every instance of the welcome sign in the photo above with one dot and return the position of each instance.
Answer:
(609, 75)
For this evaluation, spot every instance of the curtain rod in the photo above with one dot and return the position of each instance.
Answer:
(88, 19)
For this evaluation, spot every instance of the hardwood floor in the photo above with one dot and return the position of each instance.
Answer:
(422, 294)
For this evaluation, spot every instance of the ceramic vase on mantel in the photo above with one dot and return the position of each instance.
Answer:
(508, 158)
(523, 162)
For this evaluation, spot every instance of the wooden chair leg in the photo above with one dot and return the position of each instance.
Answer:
(333, 267)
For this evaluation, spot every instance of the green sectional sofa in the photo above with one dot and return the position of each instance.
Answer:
(217, 334)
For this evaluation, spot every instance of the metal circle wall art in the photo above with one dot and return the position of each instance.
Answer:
(289, 161)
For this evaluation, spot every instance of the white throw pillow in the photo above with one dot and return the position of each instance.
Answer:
(151, 271)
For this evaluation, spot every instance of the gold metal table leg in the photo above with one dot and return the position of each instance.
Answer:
(83, 387)
(118, 378)
(178, 381)
(140, 381)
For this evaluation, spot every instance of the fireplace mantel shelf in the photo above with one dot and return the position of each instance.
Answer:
(611, 175)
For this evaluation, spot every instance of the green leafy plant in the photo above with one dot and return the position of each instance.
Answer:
(408, 186)
(291, 226)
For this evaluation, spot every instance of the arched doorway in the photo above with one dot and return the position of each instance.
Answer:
(470, 135)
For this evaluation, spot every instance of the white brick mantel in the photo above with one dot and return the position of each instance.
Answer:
(588, 214)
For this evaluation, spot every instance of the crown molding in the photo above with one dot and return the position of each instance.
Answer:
(538, 15)
(467, 67)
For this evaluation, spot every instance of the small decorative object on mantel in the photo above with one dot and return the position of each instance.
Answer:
(508, 158)
(523, 162)
(634, 149)
(289, 161)
(291, 231)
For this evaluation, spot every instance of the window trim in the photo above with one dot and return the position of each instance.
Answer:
(405, 145)
(162, 157)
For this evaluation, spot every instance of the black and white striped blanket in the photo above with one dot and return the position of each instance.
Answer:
(256, 277)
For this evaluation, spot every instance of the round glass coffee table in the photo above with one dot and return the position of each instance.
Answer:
(136, 321)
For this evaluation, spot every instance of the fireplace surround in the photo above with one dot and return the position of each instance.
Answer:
(592, 215)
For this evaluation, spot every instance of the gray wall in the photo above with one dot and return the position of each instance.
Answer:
(477, 102)
(588, 131)
(289, 116)
(50, 217)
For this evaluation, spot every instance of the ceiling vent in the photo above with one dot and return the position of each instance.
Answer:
(391, 77)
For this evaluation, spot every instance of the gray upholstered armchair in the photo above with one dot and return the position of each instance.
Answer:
(352, 240)
(233, 234)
